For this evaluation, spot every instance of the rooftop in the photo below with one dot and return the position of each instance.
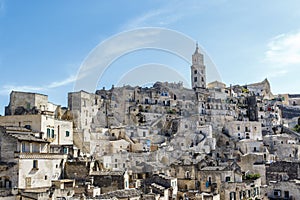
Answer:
(120, 194)
(27, 137)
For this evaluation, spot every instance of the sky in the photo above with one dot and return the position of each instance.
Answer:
(44, 44)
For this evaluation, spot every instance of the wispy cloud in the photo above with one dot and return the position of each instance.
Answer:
(158, 17)
(70, 79)
(2, 7)
(284, 50)
(6, 89)
(169, 13)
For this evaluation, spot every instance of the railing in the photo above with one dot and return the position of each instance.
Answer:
(40, 156)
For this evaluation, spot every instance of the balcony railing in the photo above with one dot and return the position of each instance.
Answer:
(21, 155)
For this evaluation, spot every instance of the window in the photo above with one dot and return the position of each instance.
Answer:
(52, 133)
(238, 128)
(65, 150)
(232, 195)
(195, 72)
(227, 179)
(286, 194)
(195, 79)
(23, 147)
(35, 164)
(67, 133)
(144, 133)
(46, 177)
(187, 174)
(277, 193)
(116, 165)
(247, 136)
(48, 132)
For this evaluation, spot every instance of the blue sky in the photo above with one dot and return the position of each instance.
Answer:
(44, 43)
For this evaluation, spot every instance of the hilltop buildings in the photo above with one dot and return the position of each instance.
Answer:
(163, 142)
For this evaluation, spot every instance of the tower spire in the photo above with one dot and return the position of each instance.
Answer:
(198, 74)
(197, 48)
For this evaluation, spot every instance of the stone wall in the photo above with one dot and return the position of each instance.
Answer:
(77, 170)
(282, 171)
(8, 147)
(109, 183)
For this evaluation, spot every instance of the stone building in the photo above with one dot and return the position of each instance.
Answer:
(31, 103)
(282, 190)
(47, 120)
(245, 130)
(283, 146)
(228, 182)
(109, 181)
(163, 185)
(58, 132)
(29, 163)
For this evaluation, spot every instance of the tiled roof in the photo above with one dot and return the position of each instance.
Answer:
(27, 137)
(213, 168)
(120, 194)
(108, 173)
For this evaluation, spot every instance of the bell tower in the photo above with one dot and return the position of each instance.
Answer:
(198, 72)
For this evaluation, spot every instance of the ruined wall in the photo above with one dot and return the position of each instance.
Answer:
(8, 147)
(77, 170)
(27, 101)
(109, 183)
(282, 170)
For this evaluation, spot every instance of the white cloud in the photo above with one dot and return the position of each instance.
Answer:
(6, 89)
(144, 19)
(166, 15)
(171, 12)
(284, 50)
(2, 7)
(68, 80)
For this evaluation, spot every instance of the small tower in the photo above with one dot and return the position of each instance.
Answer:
(198, 72)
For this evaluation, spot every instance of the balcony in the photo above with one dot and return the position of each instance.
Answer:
(21, 155)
